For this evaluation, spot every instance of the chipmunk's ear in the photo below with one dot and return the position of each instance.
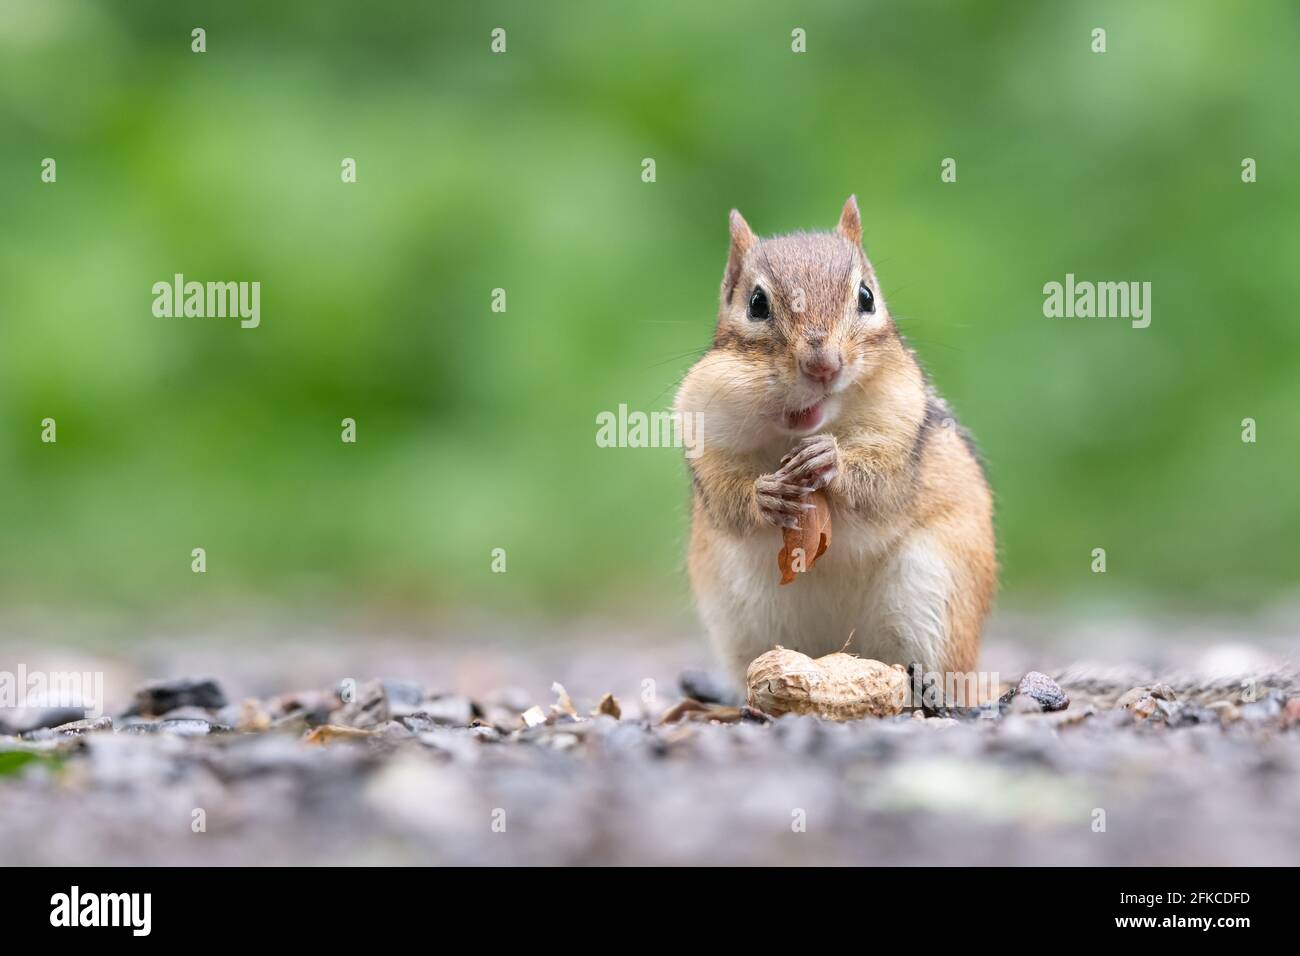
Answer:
(850, 226)
(742, 240)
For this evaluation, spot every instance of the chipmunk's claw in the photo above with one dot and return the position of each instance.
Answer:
(781, 502)
(813, 464)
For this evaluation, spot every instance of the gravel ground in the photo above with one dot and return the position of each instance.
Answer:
(431, 761)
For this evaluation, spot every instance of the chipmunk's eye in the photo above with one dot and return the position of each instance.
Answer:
(866, 301)
(758, 305)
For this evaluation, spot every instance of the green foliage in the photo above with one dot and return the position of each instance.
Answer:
(522, 171)
(14, 762)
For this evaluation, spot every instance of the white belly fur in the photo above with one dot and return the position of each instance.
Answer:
(891, 596)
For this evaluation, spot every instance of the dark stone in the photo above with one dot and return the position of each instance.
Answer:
(708, 688)
(48, 717)
(159, 697)
(78, 727)
(1043, 689)
(73, 728)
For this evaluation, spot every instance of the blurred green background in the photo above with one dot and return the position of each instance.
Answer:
(523, 171)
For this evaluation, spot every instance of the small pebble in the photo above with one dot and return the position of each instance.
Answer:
(367, 709)
(1168, 710)
(404, 696)
(73, 728)
(1291, 712)
(1163, 692)
(1263, 710)
(1227, 711)
(1144, 708)
(190, 727)
(449, 709)
(1019, 704)
(1043, 689)
(1132, 696)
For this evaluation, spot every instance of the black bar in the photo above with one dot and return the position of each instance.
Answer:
(938, 908)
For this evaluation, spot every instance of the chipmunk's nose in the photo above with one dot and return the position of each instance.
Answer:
(821, 366)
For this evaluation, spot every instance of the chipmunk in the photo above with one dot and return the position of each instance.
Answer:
(809, 385)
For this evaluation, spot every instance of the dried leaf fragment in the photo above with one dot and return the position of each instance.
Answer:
(329, 733)
(802, 546)
(681, 709)
(608, 706)
(687, 710)
(563, 705)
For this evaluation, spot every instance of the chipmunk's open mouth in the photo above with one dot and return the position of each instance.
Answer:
(806, 419)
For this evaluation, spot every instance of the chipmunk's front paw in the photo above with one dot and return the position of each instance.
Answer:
(781, 502)
(813, 464)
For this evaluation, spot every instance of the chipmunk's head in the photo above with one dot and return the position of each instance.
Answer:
(805, 315)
